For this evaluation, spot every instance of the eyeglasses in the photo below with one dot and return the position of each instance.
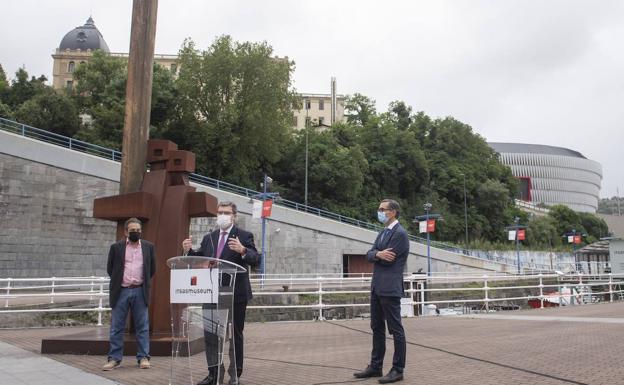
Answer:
(381, 209)
(224, 213)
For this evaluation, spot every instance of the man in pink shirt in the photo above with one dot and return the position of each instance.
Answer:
(130, 266)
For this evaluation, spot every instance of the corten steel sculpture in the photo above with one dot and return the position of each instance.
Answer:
(166, 203)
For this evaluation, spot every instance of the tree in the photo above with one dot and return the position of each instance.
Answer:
(234, 108)
(50, 111)
(23, 89)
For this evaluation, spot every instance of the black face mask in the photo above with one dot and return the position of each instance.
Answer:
(134, 236)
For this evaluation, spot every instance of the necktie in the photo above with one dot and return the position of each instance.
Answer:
(221, 244)
(383, 235)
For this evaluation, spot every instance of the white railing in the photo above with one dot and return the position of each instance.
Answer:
(469, 291)
(24, 292)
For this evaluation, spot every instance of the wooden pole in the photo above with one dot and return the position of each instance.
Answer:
(138, 95)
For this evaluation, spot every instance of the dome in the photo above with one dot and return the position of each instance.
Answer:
(84, 38)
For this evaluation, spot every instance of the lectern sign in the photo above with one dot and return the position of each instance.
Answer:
(194, 286)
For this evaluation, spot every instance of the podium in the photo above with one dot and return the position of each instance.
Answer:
(202, 300)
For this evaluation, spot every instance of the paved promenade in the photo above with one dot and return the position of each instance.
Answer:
(574, 345)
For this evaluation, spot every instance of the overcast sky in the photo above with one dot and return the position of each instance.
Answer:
(546, 72)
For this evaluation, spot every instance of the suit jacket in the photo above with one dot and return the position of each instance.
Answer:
(116, 264)
(208, 248)
(388, 276)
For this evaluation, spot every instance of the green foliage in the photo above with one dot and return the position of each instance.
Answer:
(5, 111)
(234, 108)
(52, 111)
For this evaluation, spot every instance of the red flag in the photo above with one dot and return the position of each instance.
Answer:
(266, 208)
(577, 239)
(431, 225)
(521, 235)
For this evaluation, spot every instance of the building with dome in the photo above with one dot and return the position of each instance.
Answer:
(553, 175)
(78, 45)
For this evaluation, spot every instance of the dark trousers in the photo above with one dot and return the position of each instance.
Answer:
(387, 310)
(236, 349)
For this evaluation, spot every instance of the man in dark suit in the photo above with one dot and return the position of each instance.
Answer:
(131, 267)
(389, 255)
(233, 244)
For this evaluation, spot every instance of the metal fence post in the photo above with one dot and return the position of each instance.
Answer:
(610, 288)
(8, 291)
(100, 306)
(52, 293)
(486, 290)
(320, 300)
(541, 287)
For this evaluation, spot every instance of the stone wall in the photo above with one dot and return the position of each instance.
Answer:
(47, 227)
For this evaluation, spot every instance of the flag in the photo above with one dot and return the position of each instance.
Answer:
(521, 235)
(256, 209)
(570, 238)
(577, 239)
(422, 227)
(431, 225)
(512, 235)
(266, 208)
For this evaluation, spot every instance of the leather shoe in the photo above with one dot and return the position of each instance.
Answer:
(368, 372)
(392, 376)
(209, 380)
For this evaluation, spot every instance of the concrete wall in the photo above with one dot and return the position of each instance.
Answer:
(47, 229)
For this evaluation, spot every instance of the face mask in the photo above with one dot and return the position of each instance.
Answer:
(134, 236)
(381, 216)
(224, 221)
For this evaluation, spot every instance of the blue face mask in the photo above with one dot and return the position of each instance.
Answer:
(381, 216)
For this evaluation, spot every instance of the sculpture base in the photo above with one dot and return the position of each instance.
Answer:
(95, 342)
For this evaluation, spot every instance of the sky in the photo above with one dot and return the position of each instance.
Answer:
(531, 71)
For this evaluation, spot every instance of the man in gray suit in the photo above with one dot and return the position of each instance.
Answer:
(389, 255)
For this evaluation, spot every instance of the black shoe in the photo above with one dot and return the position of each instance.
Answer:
(209, 380)
(368, 372)
(234, 381)
(392, 376)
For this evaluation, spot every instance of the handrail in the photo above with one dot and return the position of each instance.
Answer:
(580, 291)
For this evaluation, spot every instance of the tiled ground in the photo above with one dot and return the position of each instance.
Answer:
(526, 347)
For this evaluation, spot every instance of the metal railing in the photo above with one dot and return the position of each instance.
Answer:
(35, 295)
(472, 293)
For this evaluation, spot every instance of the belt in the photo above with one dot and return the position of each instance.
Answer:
(132, 286)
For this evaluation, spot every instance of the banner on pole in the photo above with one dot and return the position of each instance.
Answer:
(422, 227)
(431, 225)
(570, 238)
(512, 235)
(256, 209)
(266, 208)
(521, 234)
(577, 239)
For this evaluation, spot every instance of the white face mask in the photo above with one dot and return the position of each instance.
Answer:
(224, 221)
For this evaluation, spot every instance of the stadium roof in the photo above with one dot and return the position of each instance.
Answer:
(524, 148)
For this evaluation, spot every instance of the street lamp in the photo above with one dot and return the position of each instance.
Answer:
(307, 129)
(428, 215)
(517, 226)
(465, 210)
(264, 195)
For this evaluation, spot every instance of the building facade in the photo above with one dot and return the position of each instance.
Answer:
(553, 175)
(77, 47)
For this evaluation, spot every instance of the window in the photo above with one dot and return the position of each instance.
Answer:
(295, 121)
(307, 104)
(70, 84)
(321, 104)
(174, 68)
(321, 120)
(71, 66)
(308, 120)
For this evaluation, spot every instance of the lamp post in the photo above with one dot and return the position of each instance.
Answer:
(517, 226)
(428, 215)
(465, 210)
(307, 127)
(264, 195)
